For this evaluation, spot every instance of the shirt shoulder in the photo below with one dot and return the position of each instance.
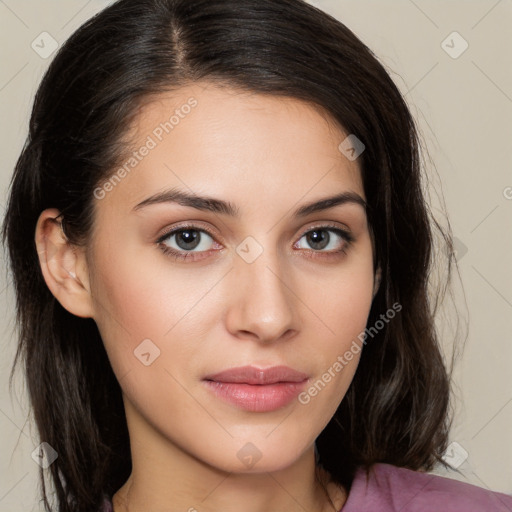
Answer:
(391, 489)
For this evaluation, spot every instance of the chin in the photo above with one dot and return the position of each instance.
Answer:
(256, 454)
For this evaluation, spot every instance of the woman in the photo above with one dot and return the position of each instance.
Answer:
(221, 250)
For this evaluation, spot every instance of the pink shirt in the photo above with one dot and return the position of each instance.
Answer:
(394, 489)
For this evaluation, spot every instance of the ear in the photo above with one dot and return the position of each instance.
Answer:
(63, 265)
(377, 279)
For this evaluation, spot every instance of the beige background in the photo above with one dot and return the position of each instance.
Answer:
(464, 109)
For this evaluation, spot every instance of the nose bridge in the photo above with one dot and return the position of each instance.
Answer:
(264, 302)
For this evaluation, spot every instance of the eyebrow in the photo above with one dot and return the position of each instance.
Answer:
(227, 208)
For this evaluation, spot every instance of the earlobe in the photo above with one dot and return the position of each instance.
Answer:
(63, 265)
(377, 279)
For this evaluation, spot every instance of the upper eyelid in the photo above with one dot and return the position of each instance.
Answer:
(184, 227)
(326, 225)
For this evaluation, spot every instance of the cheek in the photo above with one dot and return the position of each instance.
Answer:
(145, 306)
(343, 299)
(129, 304)
(343, 304)
(337, 356)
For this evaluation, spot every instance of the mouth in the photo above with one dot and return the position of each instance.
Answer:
(255, 389)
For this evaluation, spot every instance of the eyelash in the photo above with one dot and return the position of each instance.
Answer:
(182, 256)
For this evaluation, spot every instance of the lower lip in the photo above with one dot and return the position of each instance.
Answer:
(257, 398)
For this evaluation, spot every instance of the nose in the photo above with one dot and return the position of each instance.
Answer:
(262, 301)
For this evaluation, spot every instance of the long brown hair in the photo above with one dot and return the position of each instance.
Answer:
(397, 407)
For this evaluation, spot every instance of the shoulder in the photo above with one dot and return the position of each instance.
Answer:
(391, 489)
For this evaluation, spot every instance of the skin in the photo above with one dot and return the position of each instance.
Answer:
(267, 156)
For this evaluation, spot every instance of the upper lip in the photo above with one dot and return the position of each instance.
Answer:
(253, 375)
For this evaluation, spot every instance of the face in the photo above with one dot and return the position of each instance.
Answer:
(185, 292)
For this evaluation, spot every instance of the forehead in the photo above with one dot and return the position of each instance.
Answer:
(226, 141)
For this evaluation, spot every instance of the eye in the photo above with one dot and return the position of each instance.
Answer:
(321, 238)
(186, 241)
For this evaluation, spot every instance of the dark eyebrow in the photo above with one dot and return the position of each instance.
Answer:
(225, 207)
(330, 202)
